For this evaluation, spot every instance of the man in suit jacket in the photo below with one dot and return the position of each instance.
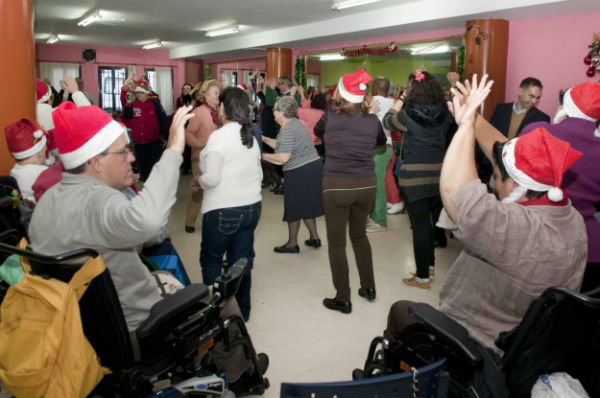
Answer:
(510, 118)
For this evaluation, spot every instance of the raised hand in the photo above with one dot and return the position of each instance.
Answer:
(469, 97)
(177, 130)
(69, 84)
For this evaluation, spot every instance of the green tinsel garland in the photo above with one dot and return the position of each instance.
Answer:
(300, 74)
(461, 62)
(206, 73)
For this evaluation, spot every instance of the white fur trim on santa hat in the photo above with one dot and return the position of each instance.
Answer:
(508, 158)
(31, 151)
(95, 145)
(572, 110)
(140, 89)
(355, 99)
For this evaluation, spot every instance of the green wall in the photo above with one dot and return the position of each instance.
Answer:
(397, 70)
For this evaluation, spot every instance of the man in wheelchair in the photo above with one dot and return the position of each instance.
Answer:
(87, 210)
(517, 244)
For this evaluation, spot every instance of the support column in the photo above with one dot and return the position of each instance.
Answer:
(17, 69)
(279, 62)
(486, 43)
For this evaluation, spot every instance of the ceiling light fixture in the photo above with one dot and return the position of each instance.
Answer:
(331, 57)
(95, 16)
(52, 39)
(228, 30)
(432, 49)
(341, 4)
(152, 45)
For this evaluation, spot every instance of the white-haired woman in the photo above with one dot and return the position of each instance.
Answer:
(302, 172)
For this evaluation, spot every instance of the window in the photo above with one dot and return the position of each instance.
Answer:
(151, 77)
(55, 71)
(110, 81)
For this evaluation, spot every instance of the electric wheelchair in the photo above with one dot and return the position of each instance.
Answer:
(172, 347)
(560, 332)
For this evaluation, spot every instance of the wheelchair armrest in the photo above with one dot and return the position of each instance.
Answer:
(170, 307)
(448, 330)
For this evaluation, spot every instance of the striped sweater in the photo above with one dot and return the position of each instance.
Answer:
(422, 154)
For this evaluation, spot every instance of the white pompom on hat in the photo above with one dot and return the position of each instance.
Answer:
(24, 139)
(83, 132)
(538, 160)
(583, 101)
(353, 86)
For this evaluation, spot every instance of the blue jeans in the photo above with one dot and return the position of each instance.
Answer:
(231, 231)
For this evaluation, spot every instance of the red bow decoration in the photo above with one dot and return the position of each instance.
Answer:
(419, 75)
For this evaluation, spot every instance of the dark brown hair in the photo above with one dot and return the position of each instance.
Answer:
(340, 105)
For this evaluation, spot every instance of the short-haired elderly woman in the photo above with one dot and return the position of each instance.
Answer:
(302, 172)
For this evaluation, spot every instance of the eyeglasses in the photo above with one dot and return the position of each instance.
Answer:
(125, 151)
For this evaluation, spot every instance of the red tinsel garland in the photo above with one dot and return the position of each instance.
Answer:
(364, 50)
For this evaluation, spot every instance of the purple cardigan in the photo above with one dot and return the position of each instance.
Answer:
(583, 179)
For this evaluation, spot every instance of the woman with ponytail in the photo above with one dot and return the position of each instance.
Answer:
(231, 180)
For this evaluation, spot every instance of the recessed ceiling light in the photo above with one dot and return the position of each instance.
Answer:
(341, 4)
(438, 48)
(52, 39)
(228, 30)
(331, 57)
(96, 16)
(152, 45)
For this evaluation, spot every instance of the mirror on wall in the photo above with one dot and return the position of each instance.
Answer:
(437, 57)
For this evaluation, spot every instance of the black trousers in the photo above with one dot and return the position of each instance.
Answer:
(423, 215)
(147, 155)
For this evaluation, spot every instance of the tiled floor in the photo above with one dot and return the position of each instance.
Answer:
(306, 342)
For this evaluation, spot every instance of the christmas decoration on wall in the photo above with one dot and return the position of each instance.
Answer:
(593, 56)
(206, 73)
(460, 62)
(364, 50)
(300, 74)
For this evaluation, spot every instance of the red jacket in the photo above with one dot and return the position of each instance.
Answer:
(147, 119)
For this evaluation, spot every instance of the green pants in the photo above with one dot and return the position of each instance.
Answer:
(382, 158)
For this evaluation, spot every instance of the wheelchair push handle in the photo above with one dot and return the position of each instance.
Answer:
(227, 284)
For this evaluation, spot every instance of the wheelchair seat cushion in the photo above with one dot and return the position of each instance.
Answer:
(171, 307)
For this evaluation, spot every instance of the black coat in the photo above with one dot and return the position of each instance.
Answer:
(501, 118)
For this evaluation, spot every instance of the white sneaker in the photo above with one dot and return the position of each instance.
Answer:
(396, 208)
(388, 205)
(372, 226)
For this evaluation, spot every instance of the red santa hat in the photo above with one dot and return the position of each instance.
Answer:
(242, 86)
(583, 101)
(83, 132)
(24, 139)
(42, 91)
(353, 86)
(142, 86)
(537, 161)
(50, 143)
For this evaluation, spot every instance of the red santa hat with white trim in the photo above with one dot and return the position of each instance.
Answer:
(583, 101)
(537, 161)
(42, 91)
(24, 139)
(353, 86)
(83, 132)
(142, 87)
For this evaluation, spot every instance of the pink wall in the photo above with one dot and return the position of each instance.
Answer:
(552, 50)
(112, 56)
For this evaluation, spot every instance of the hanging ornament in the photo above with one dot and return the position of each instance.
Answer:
(591, 71)
(587, 60)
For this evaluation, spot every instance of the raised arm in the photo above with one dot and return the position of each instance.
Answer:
(459, 167)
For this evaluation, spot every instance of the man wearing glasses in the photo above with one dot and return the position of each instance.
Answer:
(87, 209)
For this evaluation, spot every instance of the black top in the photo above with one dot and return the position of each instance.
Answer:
(501, 118)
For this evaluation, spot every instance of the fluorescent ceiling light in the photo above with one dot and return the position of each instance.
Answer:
(341, 4)
(223, 31)
(52, 39)
(331, 57)
(431, 49)
(90, 19)
(152, 45)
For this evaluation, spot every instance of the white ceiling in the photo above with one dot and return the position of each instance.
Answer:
(181, 24)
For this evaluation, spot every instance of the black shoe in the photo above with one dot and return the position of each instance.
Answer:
(275, 187)
(278, 190)
(262, 360)
(337, 305)
(313, 242)
(286, 249)
(190, 230)
(248, 383)
(369, 293)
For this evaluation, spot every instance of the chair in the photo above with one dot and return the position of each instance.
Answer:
(430, 381)
(168, 342)
(559, 332)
